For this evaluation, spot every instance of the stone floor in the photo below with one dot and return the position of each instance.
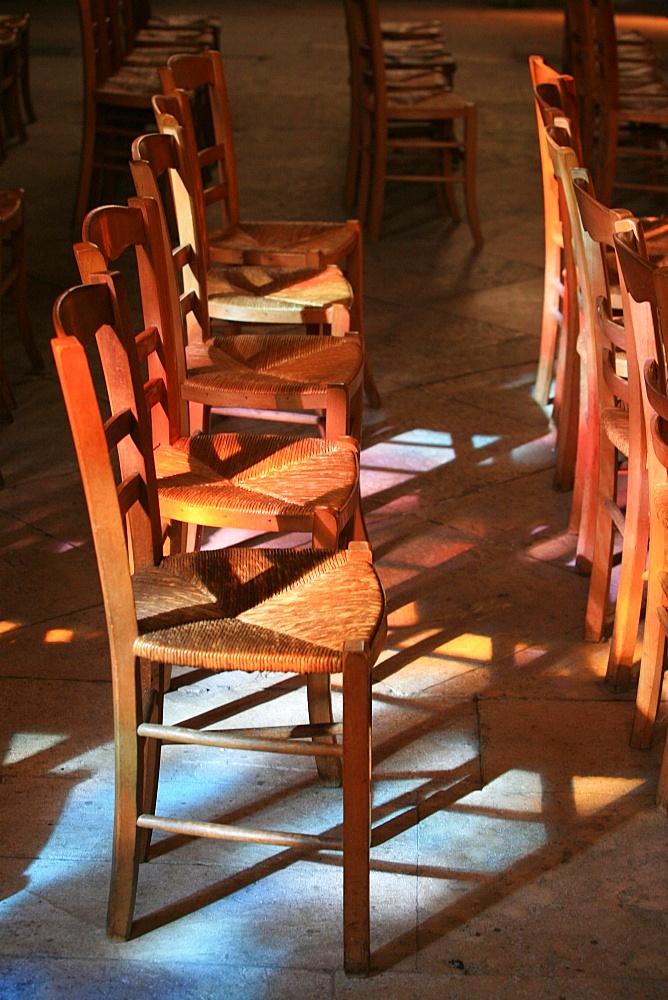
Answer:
(522, 853)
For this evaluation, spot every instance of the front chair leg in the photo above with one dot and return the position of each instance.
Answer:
(356, 808)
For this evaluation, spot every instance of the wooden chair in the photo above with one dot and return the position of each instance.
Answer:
(416, 58)
(271, 372)
(199, 78)
(20, 23)
(13, 277)
(558, 358)
(645, 299)
(623, 503)
(613, 424)
(441, 111)
(624, 105)
(304, 612)
(260, 483)
(119, 80)
(12, 125)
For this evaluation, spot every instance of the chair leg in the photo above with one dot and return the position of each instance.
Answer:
(353, 159)
(87, 156)
(470, 145)
(547, 351)
(567, 392)
(318, 690)
(128, 791)
(356, 808)
(631, 580)
(354, 275)
(601, 570)
(364, 174)
(662, 790)
(652, 664)
(377, 194)
(20, 291)
(155, 682)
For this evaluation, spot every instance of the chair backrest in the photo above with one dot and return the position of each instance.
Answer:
(592, 227)
(555, 95)
(200, 78)
(121, 496)
(102, 41)
(367, 57)
(591, 47)
(644, 288)
(161, 172)
(112, 234)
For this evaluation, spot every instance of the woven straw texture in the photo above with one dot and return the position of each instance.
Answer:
(615, 422)
(296, 363)
(333, 240)
(264, 474)
(257, 609)
(277, 289)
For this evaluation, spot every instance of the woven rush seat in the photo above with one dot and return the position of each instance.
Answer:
(264, 481)
(247, 288)
(281, 244)
(297, 363)
(256, 609)
(615, 423)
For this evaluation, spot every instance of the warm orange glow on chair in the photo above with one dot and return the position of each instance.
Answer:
(309, 612)
(440, 112)
(304, 245)
(645, 300)
(614, 424)
(263, 483)
(558, 356)
(284, 372)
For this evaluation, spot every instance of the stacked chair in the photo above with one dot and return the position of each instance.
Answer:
(620, 464)
(120, 76)
(644, 288)
(623, 101)
(416, 57)
(415, 122)
(261, 373)
(203, 333)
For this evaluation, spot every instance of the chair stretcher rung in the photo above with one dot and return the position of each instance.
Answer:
(221, 831)
(265, 740)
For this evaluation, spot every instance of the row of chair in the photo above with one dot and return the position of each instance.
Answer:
(123, 46)
(168, 362)
(613, 356)
(401, 103)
